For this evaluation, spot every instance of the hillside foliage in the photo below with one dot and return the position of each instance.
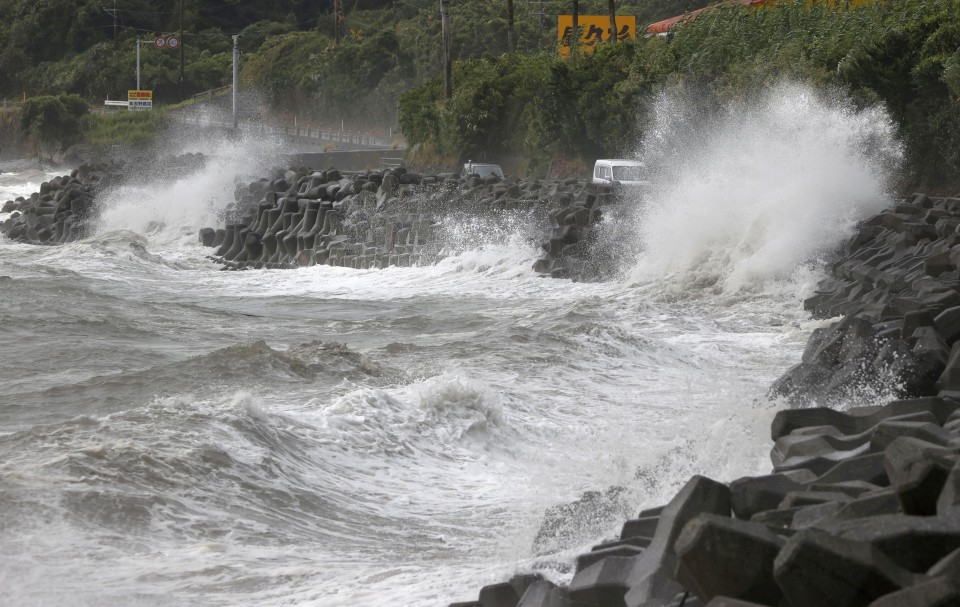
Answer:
(520, 99)
(903, 54)
(51, 47)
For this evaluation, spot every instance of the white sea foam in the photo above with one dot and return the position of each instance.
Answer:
(24, 182)
(173, 210)
(767, 184)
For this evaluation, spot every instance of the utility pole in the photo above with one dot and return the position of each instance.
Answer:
(181, 50)
(511, 39)
(445, 46)
(236, 71)
(612, 4)
(115, 24)
(138, 64)
(336, 21)
(575, 35)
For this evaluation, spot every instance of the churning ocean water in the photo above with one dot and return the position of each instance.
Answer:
(171, 434)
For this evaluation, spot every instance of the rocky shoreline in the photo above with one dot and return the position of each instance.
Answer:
(861, 507)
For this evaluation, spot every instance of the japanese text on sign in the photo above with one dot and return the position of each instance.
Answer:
(140, 100)
(594, 29)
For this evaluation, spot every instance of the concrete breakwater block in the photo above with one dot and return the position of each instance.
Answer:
(915, 543)
(544, 594)
(816, 568)
(299, 217)
(897, 284)
(880, 528)
(510, 593)
(720, 556)
(919, 470)
(788, 420)
(937, 592)
(58, 213)
(750, 495)
(302, 217)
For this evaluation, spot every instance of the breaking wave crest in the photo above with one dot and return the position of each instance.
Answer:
(753, 191)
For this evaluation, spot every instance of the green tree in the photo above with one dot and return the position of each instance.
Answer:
(53, 121)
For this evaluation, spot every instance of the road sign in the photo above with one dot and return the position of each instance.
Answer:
(160, 42)
(173, 42)
(140, 100)
(594, 30)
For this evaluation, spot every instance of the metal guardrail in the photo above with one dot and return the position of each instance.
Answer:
(301, 134)
(356, 138)
(209, 94)
(391, 162)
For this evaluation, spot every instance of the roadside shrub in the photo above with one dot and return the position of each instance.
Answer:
(53, 120)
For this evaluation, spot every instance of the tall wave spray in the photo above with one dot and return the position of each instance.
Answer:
(753, 191)
(173, 205)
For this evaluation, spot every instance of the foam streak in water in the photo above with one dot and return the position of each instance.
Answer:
(767, 184)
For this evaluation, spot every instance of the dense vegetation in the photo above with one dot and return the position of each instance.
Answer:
(905, 54)
(49, 47)
(524, 100)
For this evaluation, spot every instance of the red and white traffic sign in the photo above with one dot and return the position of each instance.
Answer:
(160, 42)
(173, 42)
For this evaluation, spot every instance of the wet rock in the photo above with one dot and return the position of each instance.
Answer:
(621, 550)
(915, 543)
(917, 471)
(720, 556)
(787, 421)
(949, 498)
(499, 595)
(725, 601)
(817, 568)
(750, 495)
(543, 593)
(651, 577)
(948, 566)
(640, 527)
(602, 584)
(947, 324)
(883, 501)
(936, 592)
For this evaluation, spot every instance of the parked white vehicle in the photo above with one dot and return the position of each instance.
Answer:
(620, 171)
(481, 168)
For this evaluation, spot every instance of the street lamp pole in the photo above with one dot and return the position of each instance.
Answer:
(236, 70)
(181, 50)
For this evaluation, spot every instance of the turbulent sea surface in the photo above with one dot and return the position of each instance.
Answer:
(171, 434)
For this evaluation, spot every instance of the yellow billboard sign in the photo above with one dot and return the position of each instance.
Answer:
(594, 30)
(140, 100)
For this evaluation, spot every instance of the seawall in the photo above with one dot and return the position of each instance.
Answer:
(375, 219)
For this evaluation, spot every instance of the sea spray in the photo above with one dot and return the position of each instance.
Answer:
(174, 207)
(752, 191)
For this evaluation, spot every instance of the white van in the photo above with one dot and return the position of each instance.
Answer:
(620, 171)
